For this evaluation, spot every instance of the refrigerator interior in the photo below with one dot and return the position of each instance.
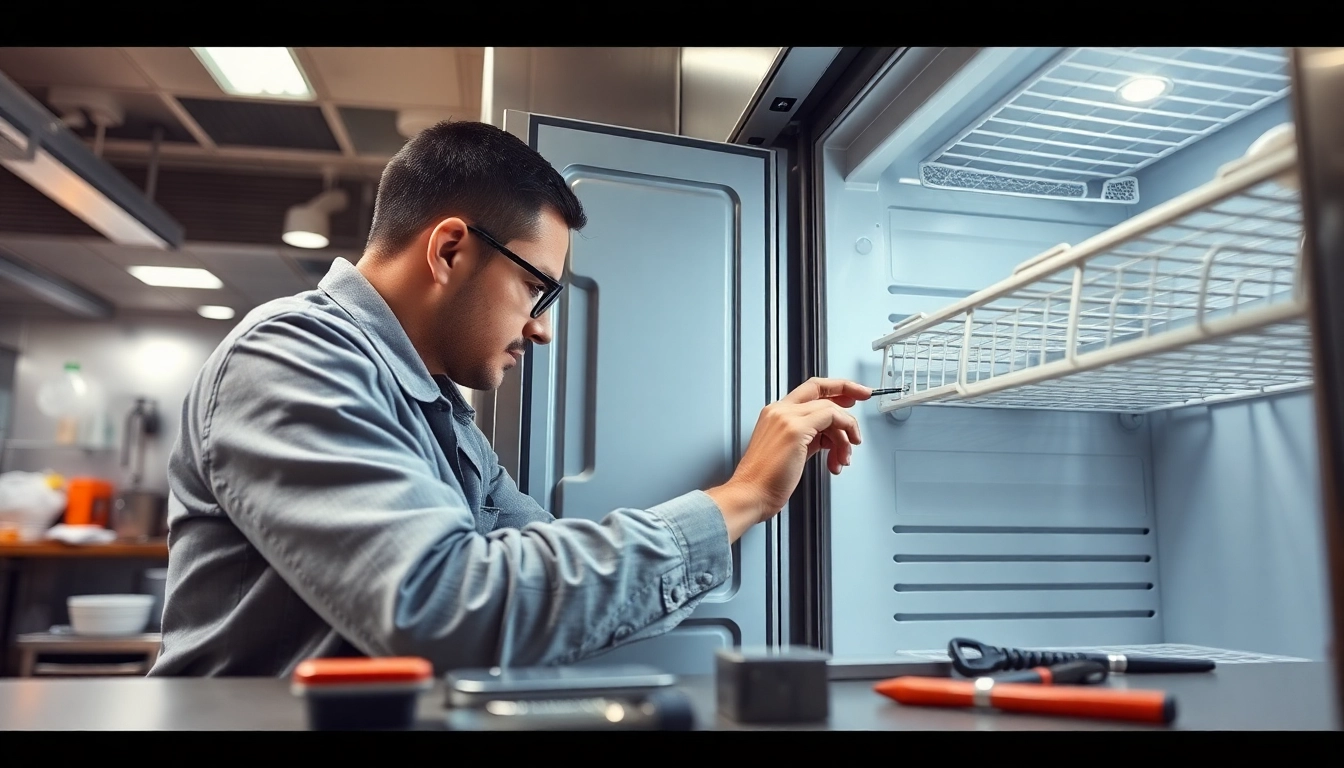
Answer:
(1108, 508)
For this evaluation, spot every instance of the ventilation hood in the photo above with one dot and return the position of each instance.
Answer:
(38, 148)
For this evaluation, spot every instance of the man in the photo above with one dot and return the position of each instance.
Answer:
(332, 496)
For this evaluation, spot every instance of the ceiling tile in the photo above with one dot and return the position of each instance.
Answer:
(192, 298)
(471, 68)
(156, 299)
(126, 256)
(88, 67)
(31, 311)
(66, 257)
(176, 70)
(80, 265)
(259, 274)
(314, 268)
(394, 77)
(262, 124)
(372, 131)
(12, 294)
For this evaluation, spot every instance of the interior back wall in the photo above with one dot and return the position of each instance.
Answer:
(149, 356)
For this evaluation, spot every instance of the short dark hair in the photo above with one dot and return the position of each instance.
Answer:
(473, 170)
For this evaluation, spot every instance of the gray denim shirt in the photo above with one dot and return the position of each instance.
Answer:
(329, 497)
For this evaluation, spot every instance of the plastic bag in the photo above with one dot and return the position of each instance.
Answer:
(28, 502)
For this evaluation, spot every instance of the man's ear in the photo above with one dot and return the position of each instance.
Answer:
(444, 255)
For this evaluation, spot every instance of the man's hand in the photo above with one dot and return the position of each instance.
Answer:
(811, 418)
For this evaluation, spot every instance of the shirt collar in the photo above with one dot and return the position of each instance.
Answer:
(348, 287)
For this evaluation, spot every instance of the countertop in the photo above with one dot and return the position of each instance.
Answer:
(155, 548)
(1260, 696)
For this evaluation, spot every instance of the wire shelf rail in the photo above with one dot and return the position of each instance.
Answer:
(1199, 299)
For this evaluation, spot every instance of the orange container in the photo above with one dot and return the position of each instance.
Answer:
(88, 501)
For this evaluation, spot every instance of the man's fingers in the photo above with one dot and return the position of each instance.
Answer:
(821, 415)
(840, 449)
(821, 443)
(818, 388)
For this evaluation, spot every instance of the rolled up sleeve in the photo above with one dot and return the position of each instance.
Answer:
(303, 447)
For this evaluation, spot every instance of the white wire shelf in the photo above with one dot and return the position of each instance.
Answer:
(1199, 299)
(1067, 133)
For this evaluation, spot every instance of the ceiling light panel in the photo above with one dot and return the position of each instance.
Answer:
(272, 73)
(176, 277)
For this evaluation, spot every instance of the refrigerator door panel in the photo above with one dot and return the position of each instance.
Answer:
(662, 355)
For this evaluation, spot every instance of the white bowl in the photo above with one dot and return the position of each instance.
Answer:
(109, 614)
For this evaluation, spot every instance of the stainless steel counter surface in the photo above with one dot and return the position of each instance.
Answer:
(1271, 696)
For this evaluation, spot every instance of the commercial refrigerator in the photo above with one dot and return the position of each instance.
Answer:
(1082, 269)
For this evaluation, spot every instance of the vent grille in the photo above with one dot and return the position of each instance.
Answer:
(259, 124)
(940, 176)
(372, 131)
(1069, 125)
(1026, 548)
(24, 209)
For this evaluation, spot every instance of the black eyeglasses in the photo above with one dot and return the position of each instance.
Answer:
(553, 287)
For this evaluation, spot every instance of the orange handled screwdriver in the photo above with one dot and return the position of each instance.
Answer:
(1066, 700)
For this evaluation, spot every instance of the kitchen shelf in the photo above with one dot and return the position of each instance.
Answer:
(1200, 299)
(1066, 132)
(121, 548)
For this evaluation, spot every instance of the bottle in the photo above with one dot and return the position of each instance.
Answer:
(63, 398)
(76, 402)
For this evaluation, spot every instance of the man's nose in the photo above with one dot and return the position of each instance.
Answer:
(538, 329)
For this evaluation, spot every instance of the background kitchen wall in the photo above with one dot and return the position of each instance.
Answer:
(152, 357)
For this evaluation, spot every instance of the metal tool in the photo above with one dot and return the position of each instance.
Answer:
(984, 659)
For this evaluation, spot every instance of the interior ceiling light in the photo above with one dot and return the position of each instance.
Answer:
(40, 149)
(1141, 90)
(215, 312)
(266, 72)
(308, 225)
(176, 277)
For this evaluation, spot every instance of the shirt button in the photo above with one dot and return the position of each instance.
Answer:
(706, 579)
(623, 631)
(678, 593)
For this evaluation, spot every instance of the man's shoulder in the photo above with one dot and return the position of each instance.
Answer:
(310, 310)
(307, 326)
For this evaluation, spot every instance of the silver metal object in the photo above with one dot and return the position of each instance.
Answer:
(718, 86)
(984, 687)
